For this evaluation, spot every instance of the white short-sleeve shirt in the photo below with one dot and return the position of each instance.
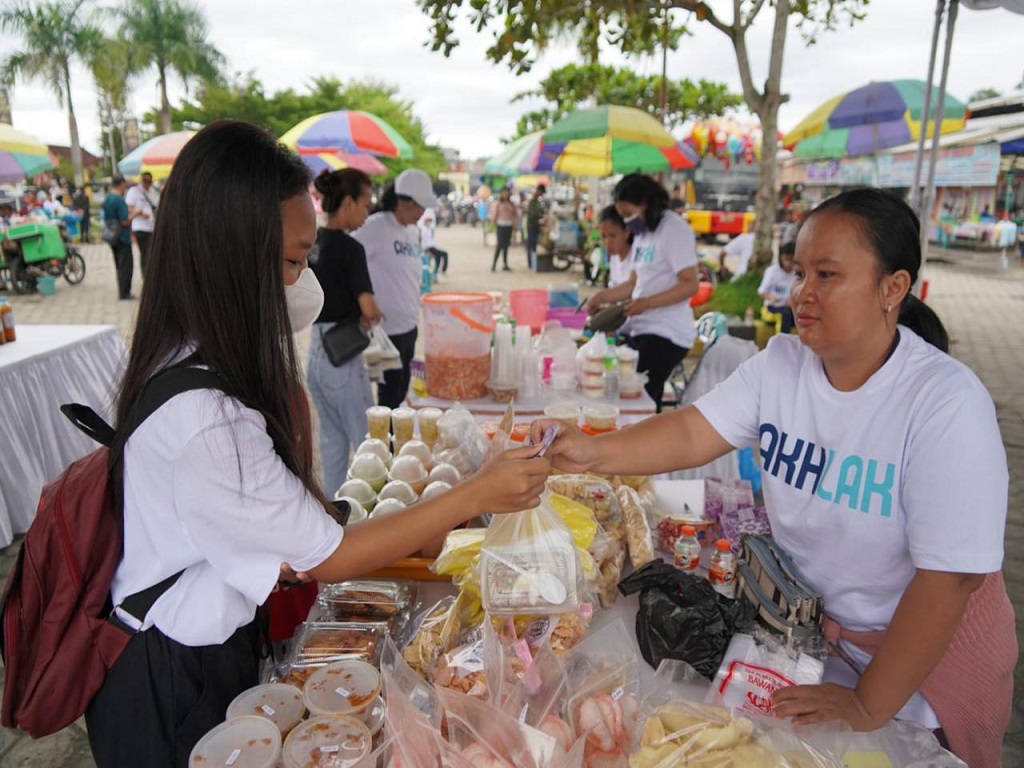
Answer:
(204, 491)
(657, 258)
(395, 262)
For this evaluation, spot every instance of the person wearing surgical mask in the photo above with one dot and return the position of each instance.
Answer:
(663, 260)
(221, 499)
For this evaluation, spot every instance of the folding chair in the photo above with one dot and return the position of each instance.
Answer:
(711, 326)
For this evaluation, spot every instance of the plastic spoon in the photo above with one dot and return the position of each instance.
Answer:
(548, 585)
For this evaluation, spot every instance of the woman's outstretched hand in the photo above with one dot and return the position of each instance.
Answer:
(572, 451)
(512, 481)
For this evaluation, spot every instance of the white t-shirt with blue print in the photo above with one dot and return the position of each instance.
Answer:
(864, 487)
(395, 262)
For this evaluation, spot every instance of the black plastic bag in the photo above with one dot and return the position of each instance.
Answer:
(682, 617)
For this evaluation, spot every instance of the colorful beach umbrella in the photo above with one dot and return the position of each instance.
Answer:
(347, 131)
(317, 162)
(22, 155)
(155, 156)
(873, 117)
(520, 156)
(610, 140)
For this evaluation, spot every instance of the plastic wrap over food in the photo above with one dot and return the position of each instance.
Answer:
(462, 443)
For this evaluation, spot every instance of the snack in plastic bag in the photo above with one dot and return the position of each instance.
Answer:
(428, 640)
(529, 564)
(593, 492)
(736, 523)
(638, 530)
(462, 443)
(462, 669)
(461, 547)
(758, 664)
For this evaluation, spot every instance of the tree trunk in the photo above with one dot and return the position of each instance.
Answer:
(769, 115)
(165, 105)
(76, 147)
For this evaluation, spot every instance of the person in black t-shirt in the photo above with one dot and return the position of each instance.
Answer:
(341, 394)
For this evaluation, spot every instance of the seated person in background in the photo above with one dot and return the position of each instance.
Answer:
(741, 246)
(776, 284)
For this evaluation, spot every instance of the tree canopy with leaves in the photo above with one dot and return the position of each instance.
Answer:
(169, 36)
(522, 29)
(245, 99)
(984, 93)
(571, 86)
(53, 36)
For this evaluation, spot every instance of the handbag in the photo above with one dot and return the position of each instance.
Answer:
(344, 341)
(111, 232)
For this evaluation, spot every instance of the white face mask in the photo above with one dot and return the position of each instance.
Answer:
(305, 299)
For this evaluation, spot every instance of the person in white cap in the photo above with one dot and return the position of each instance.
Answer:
(393, 256)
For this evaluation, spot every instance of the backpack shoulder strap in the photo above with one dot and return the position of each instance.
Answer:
(161, 388)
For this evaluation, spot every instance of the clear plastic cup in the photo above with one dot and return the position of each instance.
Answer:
(428, 425)
(242, 742)
(377, 447)
(403, 424)
(601, 417)
(378, 417)
(338, 741)
(347, 687)
(360, 490)
(420, 450)
(278, 702)
(369, 467)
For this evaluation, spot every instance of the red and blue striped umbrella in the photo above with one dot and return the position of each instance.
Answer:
(347, 131)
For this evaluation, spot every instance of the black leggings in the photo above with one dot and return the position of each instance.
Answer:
(160, 697)
(658, 357)
(504, 241)
(391, 392)
(440, 260)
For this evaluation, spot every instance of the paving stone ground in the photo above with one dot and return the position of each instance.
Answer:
(981, 305)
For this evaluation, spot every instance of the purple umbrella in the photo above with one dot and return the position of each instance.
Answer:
(10, 171)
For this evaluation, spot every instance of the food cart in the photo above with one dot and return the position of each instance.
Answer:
(33, 250)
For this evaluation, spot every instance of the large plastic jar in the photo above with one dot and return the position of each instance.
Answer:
(280, 703)
(529, 306)
(332, 741)
(458, 329)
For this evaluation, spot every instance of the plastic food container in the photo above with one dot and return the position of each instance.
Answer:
(360, 490)
(564, 412)
(436, 488)
(323, 642)
(420, 450)
(627, 361)
(387, 506)
(242, 742)
(378, 418)
(371, 468)
(348, 687)
(502, 392)
(403, 425)
(398, 489)
(367, 598)
(445, 473)
(428, 425)
(409, 470)
(328, 741)
(373, 718)
(601, 417)
(457, 344)
(632, 387)
(280, 703)
(375, 446)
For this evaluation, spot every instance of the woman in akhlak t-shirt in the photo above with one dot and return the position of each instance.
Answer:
(664, 267)
(874, 445)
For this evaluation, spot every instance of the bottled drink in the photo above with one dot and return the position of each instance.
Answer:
(687, 550)
(722, 573)
(611, 372)
(7, 319)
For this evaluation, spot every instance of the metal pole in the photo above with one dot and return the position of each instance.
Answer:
(933, 162)
(915, 192)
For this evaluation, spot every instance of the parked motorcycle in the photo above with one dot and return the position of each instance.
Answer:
(39, 249)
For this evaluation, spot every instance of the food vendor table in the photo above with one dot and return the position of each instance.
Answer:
(47, 366)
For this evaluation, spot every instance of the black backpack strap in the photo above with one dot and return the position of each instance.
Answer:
(161, 388)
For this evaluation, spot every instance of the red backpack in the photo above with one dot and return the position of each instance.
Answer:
(59, 634)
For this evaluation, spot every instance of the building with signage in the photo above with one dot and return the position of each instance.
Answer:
(979, 173)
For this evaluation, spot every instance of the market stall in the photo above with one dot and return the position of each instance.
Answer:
(47, 366)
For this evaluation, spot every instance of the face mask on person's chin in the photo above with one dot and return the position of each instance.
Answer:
(636, 225)
(305, 299)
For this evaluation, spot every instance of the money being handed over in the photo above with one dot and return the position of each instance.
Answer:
(549, 437)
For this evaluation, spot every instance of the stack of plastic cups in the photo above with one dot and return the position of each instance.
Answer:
(523, 348)
(504, 370)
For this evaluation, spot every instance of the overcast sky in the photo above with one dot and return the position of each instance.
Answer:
(465, 102)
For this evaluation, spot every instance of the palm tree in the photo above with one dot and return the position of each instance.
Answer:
(53, 34)
(171, 36)
(110, 68)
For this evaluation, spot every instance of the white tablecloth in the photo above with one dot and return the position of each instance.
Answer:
(47, 366)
